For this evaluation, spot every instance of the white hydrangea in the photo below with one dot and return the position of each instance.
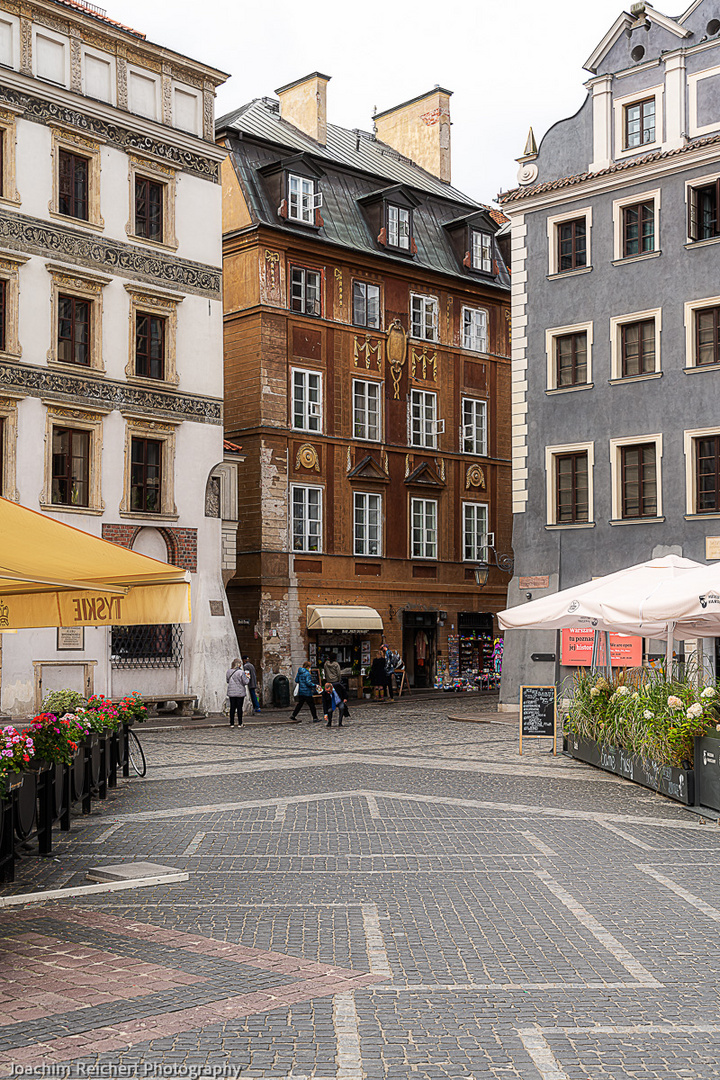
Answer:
(622, 691)
(648, 715)
(675, 702)
(708, 692)
(594, 692)
(694, 711)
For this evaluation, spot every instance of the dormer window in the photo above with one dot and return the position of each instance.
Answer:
(303, 199)
(482, 251)
(398, 227)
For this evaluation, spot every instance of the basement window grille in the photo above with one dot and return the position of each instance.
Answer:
(146, 646)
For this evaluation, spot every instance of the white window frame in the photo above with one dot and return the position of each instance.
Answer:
(469, 428)
(398, 226)
(426, 305)
(303, 202)
(423, 422)
(367, 285)
(470, 514)
(378, 388)
(429, 541)
(362, 542)
(551, 368)
(305, 549)
(477, 339)
(481, 253)
(690, 186)
(552, 452)
(616, 445)
(305, 270)
(693, 80)
(691, 308)
(312, 418)
(689, 439)
(619, 107)
(616, 324)
(552, 234)
(618, 207)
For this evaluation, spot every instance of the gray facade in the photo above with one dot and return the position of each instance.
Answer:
(672, 288)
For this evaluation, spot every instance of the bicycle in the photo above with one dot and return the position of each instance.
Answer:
(136, 755)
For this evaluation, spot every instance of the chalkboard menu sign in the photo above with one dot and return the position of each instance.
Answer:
(538, 710)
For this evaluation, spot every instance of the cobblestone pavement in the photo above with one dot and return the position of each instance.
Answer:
(405, 898)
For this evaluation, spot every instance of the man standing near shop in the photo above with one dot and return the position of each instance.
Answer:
(392, 663)
(252, 685)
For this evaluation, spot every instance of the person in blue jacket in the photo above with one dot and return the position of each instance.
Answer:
(306, 689)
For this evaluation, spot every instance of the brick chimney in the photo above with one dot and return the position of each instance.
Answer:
(420, 129)
(303, 103)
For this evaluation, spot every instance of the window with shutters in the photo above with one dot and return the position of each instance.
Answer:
(367, 523)
(306, 400)
(481, 252)
(305, 296)
(569, 487)
(70, 467)
(423, 426)
(366, 305)
(367, 416)
(475, 329)
(73, 185)
(303, 199)
(473, 431)
(306, 518)
(424, 528)
(399, 227)
(475, 532)
(423, 317)
(703, 200)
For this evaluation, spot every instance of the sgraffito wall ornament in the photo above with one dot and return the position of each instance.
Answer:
(475, 477)
(396, 349)
(307, 458)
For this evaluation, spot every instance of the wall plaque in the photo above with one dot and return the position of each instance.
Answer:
(70, 638)
(712, 547)
(538, 582)
(217, 607)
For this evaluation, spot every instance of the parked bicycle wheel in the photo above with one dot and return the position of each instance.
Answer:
(136, 756)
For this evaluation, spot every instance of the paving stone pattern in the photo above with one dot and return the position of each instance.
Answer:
(404, 898)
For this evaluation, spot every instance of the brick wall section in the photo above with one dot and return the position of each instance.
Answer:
(181, 543)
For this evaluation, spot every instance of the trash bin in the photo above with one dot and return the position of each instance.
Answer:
(281, 692)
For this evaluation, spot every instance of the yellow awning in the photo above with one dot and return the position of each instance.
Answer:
(345, 618)
(52, 574)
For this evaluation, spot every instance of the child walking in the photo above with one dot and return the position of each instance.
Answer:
(331, 700)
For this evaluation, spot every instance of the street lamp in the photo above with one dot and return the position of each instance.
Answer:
(505, 562)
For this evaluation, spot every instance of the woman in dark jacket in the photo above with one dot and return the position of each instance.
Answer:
(306, 689)
(378, 678)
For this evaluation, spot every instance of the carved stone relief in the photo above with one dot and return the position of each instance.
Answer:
(475, 477)
(75, 64)
(212, 497)
(25, 46)
(307, 458)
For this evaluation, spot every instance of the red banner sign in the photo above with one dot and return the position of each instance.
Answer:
(625, 651)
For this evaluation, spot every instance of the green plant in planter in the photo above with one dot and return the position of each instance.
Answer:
(59, 702)
(16, 751)
(132, 709)
(54, 739)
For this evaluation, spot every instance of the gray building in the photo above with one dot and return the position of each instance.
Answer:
(616, 321)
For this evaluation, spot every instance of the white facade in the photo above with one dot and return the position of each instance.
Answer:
(138, 119)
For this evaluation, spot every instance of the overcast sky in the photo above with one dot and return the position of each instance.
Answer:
(510, 64)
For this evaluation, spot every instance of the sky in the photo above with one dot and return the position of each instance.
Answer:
(511, 64)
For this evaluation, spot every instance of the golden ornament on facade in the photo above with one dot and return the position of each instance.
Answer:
(475, 477)
(307, 458)
(396, 348)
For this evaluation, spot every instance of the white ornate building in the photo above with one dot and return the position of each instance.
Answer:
(111, 376)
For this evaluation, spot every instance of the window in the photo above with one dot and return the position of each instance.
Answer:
(149, 198)
(638, 229)
(571, 359)
(8, 140)
(366, 410)
(367, 523)
(305, 291)
(639, 124)
(571, 488)
(424, 424)
(303, 200)
(149, 346)
(423, 514)
(306, 518)
(73, 337)
(707, 475)
(475, 530)
(482, 246)
(73, 185)
(704, 211)
(475, 329)
(424, 317)
(155, 646)
(572, 245)
(3, 313)
(707, 336)
(306, 400)
(639, 480)
(146, 476)
(70, 467)
(398, 227)
(473, 434)
(366, 304)
(637, 348)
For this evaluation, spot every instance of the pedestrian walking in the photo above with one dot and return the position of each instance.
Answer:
(333, 673)
(331, 700)
(378, 678)
(305, 690)
(237, 680)
(392, 663)
(252, 685)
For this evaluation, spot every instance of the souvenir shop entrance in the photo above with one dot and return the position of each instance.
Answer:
(471, 660)
(420, 646)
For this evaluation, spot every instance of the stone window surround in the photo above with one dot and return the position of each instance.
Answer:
(619, 107)
(552, 233)
(551, 368)
(690, 309)
(92, 422)
(137, 427)
(64, 138)
(68, 281)
(8, 132)
(616, 445)
(8, 416)
(551, 453)
(689, 439)
(692, 82)
(616, 323)
(632, 200)
(160, 173)
(10, 264)
(146, 300)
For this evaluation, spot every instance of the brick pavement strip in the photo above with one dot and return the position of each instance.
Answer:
(400, 899)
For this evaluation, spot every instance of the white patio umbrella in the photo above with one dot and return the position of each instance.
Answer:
(690, 603)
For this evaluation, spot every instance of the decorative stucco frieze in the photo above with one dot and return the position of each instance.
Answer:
(29, 235)
(84, 392)
(49, 112)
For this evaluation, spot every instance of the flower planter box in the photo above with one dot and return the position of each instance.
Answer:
(9, 783)
(39, 765)
(677, 784)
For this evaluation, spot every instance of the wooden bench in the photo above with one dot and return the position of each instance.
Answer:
(185, 703)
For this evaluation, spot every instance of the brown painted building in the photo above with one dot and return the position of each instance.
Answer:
(367, 376)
